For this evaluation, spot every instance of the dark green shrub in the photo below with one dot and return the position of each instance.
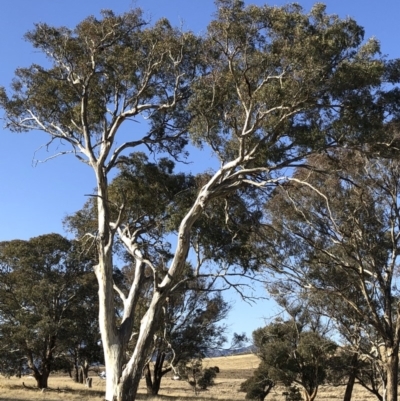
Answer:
(258, 386)
(207, 379)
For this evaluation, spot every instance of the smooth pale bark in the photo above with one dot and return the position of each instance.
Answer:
(85, 370)
(82, 373)
(392, 371)
(312, 396)
(126, 383)
(129, 381)
(123, 384)
(111, 342)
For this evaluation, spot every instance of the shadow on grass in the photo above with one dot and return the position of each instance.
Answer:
(201, 396)
(84, 392)
(14, 399)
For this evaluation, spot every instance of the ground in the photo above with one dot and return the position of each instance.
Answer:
(233, 371)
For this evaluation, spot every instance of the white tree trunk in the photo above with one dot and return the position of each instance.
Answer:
(120, 384)
(392, 370)
(109, 335)
(129, 381)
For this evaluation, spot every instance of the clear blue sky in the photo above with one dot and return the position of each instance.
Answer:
(34, 200)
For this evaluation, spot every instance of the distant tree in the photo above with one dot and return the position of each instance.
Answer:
(83, 345)
(207, 378)
(263, 89)
(191, 331)
(42, 285)
(197, 376)
(290, 354)
(357, 360)
(292, 394)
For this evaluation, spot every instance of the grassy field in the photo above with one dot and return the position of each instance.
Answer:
(233, 370)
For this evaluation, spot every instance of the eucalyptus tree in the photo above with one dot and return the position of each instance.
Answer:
(262, 89)
(158, 196)
(42, 290)
(356, 361)
(337, 236)
(291, 353)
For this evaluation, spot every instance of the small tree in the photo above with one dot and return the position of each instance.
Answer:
(198, 377)
(191, 330)
(84, 343)
(291, 353)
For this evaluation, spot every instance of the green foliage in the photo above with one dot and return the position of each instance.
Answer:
(258, 386)
(115, 59)
(279, 61)
(264, 89)
(156, 199)
(45, 288)
(291, 353)
(191, 329)
(193, 323)
(338, 233)
(152, 194)
(292, 394)
(207, 379)
(198, 377)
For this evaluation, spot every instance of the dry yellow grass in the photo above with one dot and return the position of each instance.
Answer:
(233, 371)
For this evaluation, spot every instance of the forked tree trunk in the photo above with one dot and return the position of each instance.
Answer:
(123, 385)
(85, 371)
(153, 381)
(150, 382)
(129, 382)
(41, 378)
(310, 396)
